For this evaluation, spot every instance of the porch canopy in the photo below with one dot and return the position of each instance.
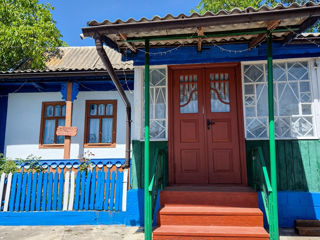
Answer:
(237, 26)
(249, 26)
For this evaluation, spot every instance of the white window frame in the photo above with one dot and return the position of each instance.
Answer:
(315, 92)
(140, 97)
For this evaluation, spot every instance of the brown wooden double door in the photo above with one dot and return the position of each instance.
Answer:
(205, 126)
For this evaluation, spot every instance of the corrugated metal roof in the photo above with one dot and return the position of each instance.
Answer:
(80, 59)
(135, 32)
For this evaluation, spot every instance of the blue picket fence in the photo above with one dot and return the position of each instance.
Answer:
(97, 189)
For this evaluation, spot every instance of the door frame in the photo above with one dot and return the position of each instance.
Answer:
(239, 105)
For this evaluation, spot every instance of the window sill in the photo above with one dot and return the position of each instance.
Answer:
(44, 146)
(99, 145)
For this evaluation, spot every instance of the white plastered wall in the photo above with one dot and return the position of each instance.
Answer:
(23, 125)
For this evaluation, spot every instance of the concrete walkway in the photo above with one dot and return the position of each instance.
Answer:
(101, 232)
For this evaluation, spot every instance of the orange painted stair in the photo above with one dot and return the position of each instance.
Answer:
(209, 212)
(210, 216)
(183, 232)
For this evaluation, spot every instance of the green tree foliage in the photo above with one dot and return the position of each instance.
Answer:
(217, 5)
(28, 34)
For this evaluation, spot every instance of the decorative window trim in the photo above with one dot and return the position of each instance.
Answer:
(314, 82)
(42, 124)
(142, 103)
(114, 125)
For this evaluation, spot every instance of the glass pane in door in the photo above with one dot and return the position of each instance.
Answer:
(219, 92)
(188, 94)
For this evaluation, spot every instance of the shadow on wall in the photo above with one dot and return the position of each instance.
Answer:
(298, 176)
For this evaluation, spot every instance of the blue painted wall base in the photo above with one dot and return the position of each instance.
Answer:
(296, 205)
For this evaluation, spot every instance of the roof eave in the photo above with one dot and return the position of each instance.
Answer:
(306, 12)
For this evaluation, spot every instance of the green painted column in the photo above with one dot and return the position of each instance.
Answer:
(147, 196)
(273, 203)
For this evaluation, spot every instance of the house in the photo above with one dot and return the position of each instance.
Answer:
(203, 85)
(204, 128)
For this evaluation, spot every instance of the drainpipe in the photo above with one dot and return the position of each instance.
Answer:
(104, 57)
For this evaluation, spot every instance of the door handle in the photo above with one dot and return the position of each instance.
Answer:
(210, 122)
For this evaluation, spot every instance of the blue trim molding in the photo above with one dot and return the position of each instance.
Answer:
(3, 120)
(75, 91)
(215, 54)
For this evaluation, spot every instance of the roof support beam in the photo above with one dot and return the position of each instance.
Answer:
(262, 36)
(304, 26)
(211, 34)
(131, 46)
(303, 12)
(200, 33)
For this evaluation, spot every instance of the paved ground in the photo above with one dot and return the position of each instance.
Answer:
(101, 232)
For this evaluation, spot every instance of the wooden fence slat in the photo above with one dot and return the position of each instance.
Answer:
(7, 197)
(55, 191)
(44, 192)
(33, 194)
(3, 176)
(86, 200)
(18, 192)
(101, 190)
(71, 199)
(106, 196)
(61, 181)
(66, 191)
(39, 191)
(124, 190)
(48, 208)
(13, 192)
(119, 191)
(96, 202)
(112, 191)
(28, 194)
(92, 189)
(83, 179)
(77, 192)
(23, 191)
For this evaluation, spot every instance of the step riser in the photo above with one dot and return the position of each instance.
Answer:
(209, 220)
(155, 237)
(228, 199)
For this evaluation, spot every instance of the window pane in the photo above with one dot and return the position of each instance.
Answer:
(49, 131)
(160, 103)
(93, 130)
(60, 139)
(49, 111)
(109, 109)
(64, 110)
(188, 94)
(219, 92)
(57, 111)
(93, 109)
(101, 110)
(157, 129)
(106, 130)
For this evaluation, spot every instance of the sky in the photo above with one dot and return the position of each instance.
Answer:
(72, 15)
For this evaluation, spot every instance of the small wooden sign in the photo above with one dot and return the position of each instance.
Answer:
(67, 131)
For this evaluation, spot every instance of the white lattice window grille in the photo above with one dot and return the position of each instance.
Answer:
(293, 100)
(158, 105)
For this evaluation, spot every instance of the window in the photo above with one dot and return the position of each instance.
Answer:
(292, 100)
(53, 115)
(158, 104)
(101, 122)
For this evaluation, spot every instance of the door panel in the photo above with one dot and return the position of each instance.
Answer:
(189, 144)
(222, 132)
(205, 126)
